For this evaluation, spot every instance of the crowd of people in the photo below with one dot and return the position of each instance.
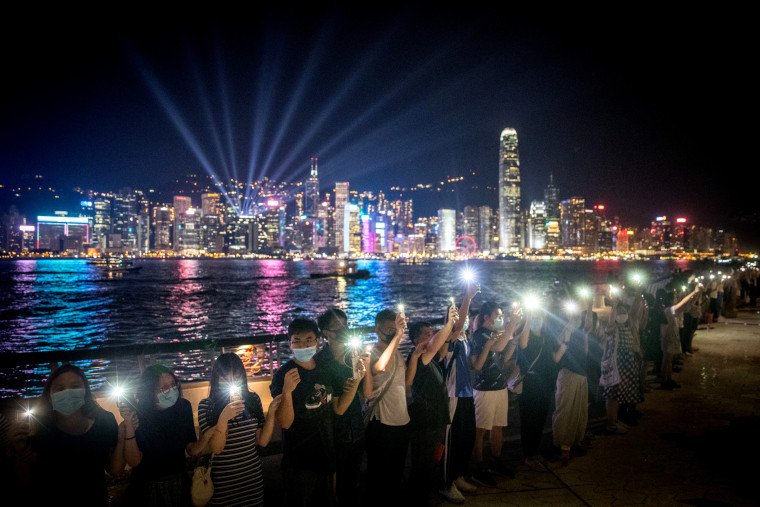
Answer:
(340, 402)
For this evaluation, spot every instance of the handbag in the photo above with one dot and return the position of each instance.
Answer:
(610, 375)
(202, 489)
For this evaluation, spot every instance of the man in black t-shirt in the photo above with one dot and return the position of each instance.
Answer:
(306, 416)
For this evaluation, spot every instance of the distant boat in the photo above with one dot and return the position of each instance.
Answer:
(115, 265)
(413, 260)
(345, 270)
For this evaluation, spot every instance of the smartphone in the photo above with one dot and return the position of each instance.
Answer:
(356, 359)
(235, 394)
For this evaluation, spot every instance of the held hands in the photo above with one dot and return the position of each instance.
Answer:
(275, 404)
(292, 378)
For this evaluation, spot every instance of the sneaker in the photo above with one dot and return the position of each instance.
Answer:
(534, 464)
(465, 486)
(497, 466)
(452, 494)
(481, 476)
(616, 430)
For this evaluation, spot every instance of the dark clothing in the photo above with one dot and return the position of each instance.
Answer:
(538, 387)
(348, 430)
(348, 427)
(429, 406)
(460, 441)
(162, 437)
(534, 401)
(575, 357)
(386, 458)
(308, 443)
(493, 375)
(67, 463)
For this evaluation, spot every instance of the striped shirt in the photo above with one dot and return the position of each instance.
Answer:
(236, 472)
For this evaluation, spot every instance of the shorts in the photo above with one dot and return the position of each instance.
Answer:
(491, 408)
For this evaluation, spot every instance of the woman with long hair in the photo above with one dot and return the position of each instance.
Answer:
(234, 417)
(154, 438)
(67, 444)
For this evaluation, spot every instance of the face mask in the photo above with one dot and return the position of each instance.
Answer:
(536, 325)
(304, 355)
(498, 323)
(68, 401)
(466, 323)
(167, 399)
(621, 319)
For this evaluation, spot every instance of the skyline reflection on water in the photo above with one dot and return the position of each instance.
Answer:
(69, 304)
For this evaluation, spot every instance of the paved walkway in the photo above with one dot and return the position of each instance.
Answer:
(697, 445)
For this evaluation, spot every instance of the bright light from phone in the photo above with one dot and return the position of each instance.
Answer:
(354, 342)
(468, 275)
(584, 292)
(571, 307)
(401, 308)
(614, 290)
(117, 391)
(531, 302)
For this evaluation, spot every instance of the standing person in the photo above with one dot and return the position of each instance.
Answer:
(387, 431)
(570, 416)
(153, 440)
(235, 418)
(429, 405)
(66, 445)
(349, 431)
(460, 434)
(306, 415)
(619, 342)
(536, 347)
(670, 335)
(492, 348)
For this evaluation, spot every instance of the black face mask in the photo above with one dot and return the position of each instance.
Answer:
(389, 337)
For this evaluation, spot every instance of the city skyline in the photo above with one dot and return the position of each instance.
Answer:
(398, 97)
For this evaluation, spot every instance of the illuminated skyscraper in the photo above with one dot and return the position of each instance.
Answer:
(509, 192)
(311, 192)
(342, 218)
(447, 223)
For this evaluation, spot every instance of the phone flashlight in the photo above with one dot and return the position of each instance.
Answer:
(401, 308)
(468, 275)
(235, 393)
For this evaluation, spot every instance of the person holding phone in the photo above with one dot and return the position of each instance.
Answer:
(66, 444)
(235, 418)
(154, 438)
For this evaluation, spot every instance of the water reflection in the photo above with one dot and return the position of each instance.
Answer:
(56, 305)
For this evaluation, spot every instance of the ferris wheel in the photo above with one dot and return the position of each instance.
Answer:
(465, 246)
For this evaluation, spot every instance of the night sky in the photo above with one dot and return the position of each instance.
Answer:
(646, 112)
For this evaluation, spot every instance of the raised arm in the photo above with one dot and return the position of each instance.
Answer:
(439, 338)
(385, 357)
(264, 433)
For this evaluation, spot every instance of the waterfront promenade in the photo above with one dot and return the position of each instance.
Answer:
(698, 445)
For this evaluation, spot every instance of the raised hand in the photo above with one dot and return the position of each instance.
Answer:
(292, 378)
(232, 410)
(275, 404)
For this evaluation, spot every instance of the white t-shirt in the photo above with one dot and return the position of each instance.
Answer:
(391, 408)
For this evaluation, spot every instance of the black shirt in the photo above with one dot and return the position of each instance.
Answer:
(429, 407)
(74, 464)
(348, 427)
(161, 437)
(493, 375)
(309, 442)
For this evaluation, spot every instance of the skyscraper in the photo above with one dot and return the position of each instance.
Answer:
(342, 218)
(311, 192)
(447, 221)
(509, 192)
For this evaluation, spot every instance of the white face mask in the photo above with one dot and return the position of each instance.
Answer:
(621, 319)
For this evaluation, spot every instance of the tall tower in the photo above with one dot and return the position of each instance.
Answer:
(342, 218)
(311, 191)
(509, 192)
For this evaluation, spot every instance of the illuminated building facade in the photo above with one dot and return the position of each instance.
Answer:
(572, 222)
(342, 218)
(509, 192)
(537, 228)
(552, 207)
(311, 191)
(447, 222)
(62, 233)
(485, 229)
